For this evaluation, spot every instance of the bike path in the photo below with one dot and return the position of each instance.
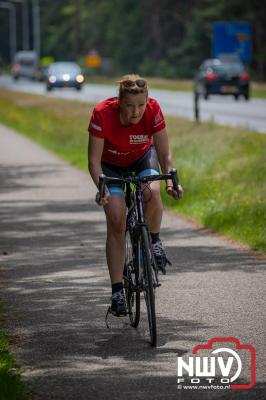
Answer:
(56, 289)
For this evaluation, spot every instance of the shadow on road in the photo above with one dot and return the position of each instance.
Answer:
(208, 257)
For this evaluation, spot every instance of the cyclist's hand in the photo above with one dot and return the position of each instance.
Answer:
(105, 198)
(177, 195)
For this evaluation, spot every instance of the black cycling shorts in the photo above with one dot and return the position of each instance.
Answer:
(146, 165)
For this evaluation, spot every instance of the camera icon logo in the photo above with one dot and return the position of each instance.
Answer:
(222, 363)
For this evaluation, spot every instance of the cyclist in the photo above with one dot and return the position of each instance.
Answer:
(128, 134)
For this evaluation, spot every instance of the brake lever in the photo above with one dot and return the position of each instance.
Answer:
(101, 186)
(175, 180)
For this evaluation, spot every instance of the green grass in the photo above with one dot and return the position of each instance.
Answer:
(58, 125)
(223, 173)
(11, 387)
(222, 169)
(259, 93)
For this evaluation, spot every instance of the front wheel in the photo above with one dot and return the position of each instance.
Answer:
(131, 282)
(148, 289)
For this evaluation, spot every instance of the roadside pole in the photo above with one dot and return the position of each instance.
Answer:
(196, 106)
(12, 28)
(36, 26)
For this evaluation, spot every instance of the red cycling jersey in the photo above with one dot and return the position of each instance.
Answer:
(124, 145)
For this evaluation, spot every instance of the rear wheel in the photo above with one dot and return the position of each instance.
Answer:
(148, 289)
(131, 282)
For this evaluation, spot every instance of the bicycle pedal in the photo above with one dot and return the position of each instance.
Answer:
(110, 311)
(117, 315)
(168, 262)
(106, 317)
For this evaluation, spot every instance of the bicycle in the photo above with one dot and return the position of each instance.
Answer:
(140, 270)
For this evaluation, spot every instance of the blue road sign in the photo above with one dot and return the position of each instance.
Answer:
(232, 38)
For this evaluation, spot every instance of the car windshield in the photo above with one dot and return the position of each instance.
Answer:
(232, 68)
(64, 68)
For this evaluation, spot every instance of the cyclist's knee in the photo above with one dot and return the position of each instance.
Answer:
(116, 217)
(116, 224)
(152, 194)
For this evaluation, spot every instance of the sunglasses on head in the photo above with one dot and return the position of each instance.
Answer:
(141, 83)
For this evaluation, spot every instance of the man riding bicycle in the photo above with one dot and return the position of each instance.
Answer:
(128, 134)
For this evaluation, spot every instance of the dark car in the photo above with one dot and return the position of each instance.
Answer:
(64, 74)
(215, 76)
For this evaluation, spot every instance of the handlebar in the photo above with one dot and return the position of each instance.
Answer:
(136, 180)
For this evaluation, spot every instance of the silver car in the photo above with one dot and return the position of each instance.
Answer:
(64, 74)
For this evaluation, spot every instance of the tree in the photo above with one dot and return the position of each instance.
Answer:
(156, 37)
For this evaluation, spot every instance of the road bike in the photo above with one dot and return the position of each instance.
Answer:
(140, 269)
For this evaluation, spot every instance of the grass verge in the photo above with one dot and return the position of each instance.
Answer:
(11, 387)
(222, 169)
(223, 172)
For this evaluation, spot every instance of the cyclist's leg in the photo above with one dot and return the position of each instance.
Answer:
(115, 212)
(153, 205)
(148, 165)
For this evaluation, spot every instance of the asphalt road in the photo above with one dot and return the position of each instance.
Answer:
(221, 109)
(56, 289)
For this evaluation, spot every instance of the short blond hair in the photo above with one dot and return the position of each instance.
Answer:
(135, 88)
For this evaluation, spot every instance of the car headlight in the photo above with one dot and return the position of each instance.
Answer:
(80, 78)
(52, 79)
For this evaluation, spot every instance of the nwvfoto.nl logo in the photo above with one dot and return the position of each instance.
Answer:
(220, 362)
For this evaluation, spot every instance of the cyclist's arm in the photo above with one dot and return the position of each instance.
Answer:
(160, 140)
(95, 151)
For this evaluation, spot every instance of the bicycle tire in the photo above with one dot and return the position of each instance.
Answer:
(131, 282)
(148, 289)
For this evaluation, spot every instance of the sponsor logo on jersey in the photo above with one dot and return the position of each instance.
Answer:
(138, 139)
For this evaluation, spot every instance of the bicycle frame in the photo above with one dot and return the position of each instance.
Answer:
(134, 202)
(138, 194)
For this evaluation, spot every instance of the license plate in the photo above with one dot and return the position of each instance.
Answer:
(229, 89)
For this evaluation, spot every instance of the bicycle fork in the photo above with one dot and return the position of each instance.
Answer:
(154, 271)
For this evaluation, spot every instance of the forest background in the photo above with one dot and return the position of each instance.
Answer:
(165, 38)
